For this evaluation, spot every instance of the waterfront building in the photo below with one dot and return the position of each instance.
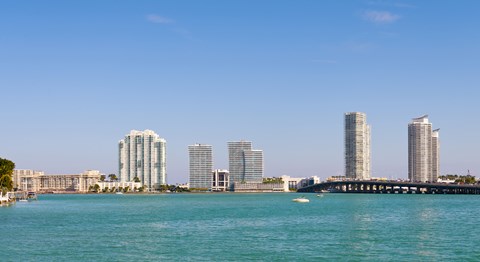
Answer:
(37, 181)
(252, 187)
(435, 155)
(245, 163)
(357, 146)
(201, 166)
(142, 154)
(27, 179)
(221, 180)
(291, 183)
(114, 186)
(423, 151)
(309, 181)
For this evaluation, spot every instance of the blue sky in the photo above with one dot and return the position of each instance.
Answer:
(77, 76)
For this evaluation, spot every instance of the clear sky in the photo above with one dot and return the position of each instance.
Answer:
(77, 76)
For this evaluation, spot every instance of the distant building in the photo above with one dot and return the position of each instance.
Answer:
(435, 155)
(258, 187)
(36, 181)
(245, 163)
(221, 181)
(201, 166)
(115, 186)
(291, 183)
(142, 154)
(27, 180)
(357, 146)
(423, 151)
(309, 181)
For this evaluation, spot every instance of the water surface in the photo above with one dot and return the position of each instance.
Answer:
(240, 227)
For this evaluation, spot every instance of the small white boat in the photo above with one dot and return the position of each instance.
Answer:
(119, 193)
(319, 195)
(301, 200)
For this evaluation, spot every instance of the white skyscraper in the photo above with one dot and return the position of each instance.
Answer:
(142, 154)
(435, 155)
(201, 166)
(245, 164)
(423, 151)
(357, 146)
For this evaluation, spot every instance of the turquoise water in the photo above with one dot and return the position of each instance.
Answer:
(242, 227)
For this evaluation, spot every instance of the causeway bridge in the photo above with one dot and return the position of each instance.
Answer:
(390, 187)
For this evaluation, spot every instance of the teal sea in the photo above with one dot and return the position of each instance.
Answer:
(242, 227)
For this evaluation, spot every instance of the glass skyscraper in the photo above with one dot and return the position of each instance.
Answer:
(142, 154)
(245, 163)
(201, 166)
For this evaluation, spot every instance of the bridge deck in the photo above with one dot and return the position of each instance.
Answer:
(380, 187)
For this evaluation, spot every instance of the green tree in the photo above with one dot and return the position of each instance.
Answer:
(102, 178)
(136, 179)
(112, 177)
(272, 180)
(96, 187)
(6, 172)
(126, 189)
(163, 188)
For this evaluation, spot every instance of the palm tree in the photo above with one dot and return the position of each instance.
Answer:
(112, 177)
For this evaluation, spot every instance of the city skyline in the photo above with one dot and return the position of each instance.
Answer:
(76, 76)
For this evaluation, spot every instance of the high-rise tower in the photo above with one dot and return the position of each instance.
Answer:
(423, 151)
(201, 166)
(357, 146)
(245, 164)
(435, 155)
(142, 154)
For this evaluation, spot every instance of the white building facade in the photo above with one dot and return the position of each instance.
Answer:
(423, 151)
(201, 166)
(142, 154)
(357, 146)
(221, 181)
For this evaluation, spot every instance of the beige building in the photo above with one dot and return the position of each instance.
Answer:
(252, 187)
(423, 151)
(357, 146)
(26, 179)
(36, 181)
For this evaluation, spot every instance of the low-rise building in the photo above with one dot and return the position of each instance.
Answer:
(291, 183)
(221, 180)
(258, 187)
(27, 179)
(37, 181)
(117, 186)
